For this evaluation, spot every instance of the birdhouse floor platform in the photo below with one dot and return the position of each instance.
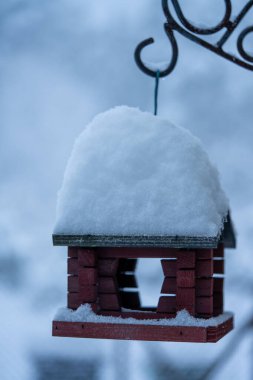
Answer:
(118, 328)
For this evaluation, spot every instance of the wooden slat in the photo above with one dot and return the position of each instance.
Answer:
(186, 259)
(107, 285)
(190, 308)
(86, 257)
(218, 266)
(72, 252)
(219, 252)
(109, 301)
(204, 286)
(77, 299)
(204, 254)
(130, 331)
(127, 265)
(218, 301)
(169, 285)
(130, 300)
(126, 281)
(87, 294)
(107, 267)
(137, 252)
(141, 241)
(73, 285)
(185, 297)
(140, 314)
(218, 285)
(204, 268)
(204, 305)
(169, 268)
(73, 266)
(87, 276)
(73, 301)
(167, 304)
(186, 278)
(141, 331)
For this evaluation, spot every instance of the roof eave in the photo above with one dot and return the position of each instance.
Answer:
(227, 237)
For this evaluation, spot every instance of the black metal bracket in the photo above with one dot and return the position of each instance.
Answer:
(191, 32)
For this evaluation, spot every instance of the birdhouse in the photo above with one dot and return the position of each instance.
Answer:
(137, 186)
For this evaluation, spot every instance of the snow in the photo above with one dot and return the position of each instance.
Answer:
(133, 173)
(161, 66)
(85, 314)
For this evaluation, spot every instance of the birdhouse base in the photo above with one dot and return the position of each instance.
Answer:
(143, 331)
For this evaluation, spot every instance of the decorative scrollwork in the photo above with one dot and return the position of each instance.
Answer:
(240, 46)
(191, 32)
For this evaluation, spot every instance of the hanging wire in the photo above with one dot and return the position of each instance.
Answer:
(156, 92)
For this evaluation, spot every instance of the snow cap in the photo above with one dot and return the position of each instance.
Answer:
(133, 173)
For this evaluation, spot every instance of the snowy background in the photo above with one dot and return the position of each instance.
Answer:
(61, 63)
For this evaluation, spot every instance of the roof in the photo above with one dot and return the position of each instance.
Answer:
(136, 179)
(227, 238)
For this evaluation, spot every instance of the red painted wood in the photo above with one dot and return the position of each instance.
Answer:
(126, 281)
(169, 285)
(73, 301)
(204, 268)
(128, 252)
(167, 304)
(107, 267)
(204, 254)
(88, 294)
(204, 305)
(142, 332)
(186, 278)
(190, 308)
(169, 268)
(218, 301)
(127, 265)
(218, 285)
(130, 332)
(109, 301)
(204, 286)
(72, 252)
(107, 285)
(72, 266)
(185, 296)
(218, 266)
(130, 300)
(137, 314)
(216, 333)
(186, 260)
(219, 252)
(86, 257)
(87, 276)
(73, 285)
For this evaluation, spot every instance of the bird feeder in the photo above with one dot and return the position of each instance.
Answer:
(137, 187)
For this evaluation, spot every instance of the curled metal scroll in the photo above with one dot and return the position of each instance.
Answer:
(191, 32)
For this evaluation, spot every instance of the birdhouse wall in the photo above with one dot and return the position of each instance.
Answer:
(191, 282)
(82, 277)
(105, 278)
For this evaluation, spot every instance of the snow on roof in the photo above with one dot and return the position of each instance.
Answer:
(132, 173)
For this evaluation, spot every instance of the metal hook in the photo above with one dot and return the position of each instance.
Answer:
(191, 32)
(171, 64)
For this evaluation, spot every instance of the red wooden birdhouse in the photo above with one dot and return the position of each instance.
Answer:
(137, 187)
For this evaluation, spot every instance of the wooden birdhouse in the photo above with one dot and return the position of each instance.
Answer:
(137, 187)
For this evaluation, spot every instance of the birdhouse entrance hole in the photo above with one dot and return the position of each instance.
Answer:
(149, 277)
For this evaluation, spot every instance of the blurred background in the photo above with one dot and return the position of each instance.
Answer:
(61, 63)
